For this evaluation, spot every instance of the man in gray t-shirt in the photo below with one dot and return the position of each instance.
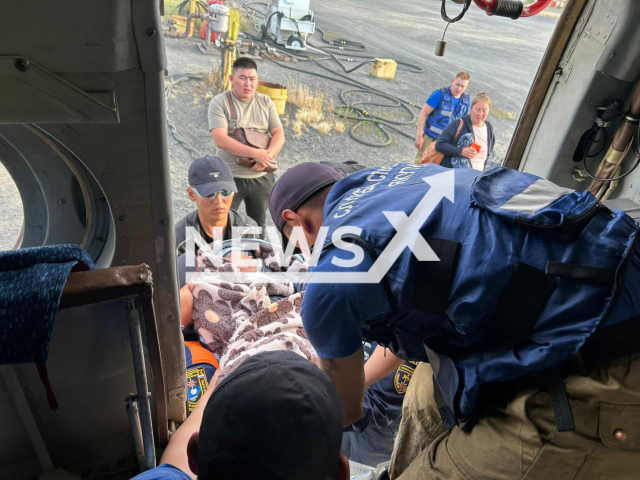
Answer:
(256, 112)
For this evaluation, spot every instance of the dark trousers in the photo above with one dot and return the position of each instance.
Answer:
(255, 193)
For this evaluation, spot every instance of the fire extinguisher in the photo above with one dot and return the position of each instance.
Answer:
(203, 30)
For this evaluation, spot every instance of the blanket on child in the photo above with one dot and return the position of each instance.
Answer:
(238, 319)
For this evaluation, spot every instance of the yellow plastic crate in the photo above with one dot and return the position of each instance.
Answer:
(383, 68)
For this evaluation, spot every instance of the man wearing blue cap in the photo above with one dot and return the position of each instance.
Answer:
(520, 297)
(211, 187)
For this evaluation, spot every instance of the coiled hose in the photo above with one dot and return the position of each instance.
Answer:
(173, 81)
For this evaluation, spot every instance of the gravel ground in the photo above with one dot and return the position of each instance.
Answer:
(501, 55)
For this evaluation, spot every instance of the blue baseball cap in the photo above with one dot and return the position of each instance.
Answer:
(296, 185)
(210, 174)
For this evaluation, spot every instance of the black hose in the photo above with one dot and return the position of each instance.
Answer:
(412, 68)
(363, 116)
(268, 22)
(341, 43)
(445, 17)
(360, 115)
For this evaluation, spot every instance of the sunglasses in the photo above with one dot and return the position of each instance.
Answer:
(224, 193)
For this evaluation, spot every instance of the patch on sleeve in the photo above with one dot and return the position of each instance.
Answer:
(197, 385)
(403, 377)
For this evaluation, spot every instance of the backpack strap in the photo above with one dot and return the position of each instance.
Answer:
(458, 131)
(232, 107)
(559, 400)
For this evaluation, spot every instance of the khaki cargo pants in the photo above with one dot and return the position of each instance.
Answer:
(519, 439)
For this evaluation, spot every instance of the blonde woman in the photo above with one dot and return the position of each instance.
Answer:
(468, 143)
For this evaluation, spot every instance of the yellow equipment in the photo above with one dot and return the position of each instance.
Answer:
(230, 50)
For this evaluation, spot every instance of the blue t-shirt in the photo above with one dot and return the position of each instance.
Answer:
(333, 314)
(163, 472)
(434, 100)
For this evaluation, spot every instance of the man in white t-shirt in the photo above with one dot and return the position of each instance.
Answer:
(257, 112)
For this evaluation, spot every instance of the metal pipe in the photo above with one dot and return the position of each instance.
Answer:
(142, 385)
(619, 147)
(187, 30)
(133, 413)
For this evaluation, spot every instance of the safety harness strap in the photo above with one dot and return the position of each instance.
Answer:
(581, 272)
(559, 400)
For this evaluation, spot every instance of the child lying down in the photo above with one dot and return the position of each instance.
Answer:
(236, 318)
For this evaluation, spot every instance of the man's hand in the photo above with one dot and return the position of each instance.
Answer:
(469, 152)
(262, 157)
(419, 142)
(347, 374)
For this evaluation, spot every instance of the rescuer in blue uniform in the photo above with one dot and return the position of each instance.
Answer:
(441, 108)
(512, 288)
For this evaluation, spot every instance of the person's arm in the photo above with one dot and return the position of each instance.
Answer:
(347, 374)
(277, 141)
(381, 363)
(176, 452)
(186, 305)
(422, 118)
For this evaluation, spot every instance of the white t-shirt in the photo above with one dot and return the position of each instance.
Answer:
(480, 136)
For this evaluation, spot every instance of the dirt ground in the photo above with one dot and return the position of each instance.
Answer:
(501, 55)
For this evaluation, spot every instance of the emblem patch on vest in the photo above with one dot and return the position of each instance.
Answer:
(197, 385)
(403, 377)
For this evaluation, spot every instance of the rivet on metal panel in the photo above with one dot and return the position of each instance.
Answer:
(171, 318)
(123, 260)
(105, 175)
(151, 32)
(21, 64)
(163, 222)
(122, 218)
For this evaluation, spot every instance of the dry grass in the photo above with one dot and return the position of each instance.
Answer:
(313, 110)
(209, 87)
(501, 114)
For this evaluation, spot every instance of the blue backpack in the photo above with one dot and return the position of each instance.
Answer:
(529, 275)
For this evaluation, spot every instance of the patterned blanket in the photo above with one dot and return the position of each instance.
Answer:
(239, 319)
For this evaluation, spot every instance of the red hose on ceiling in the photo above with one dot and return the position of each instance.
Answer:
(529, 10)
